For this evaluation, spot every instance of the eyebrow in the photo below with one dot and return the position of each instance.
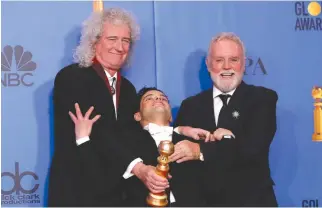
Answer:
(148, 95)
(118, 37)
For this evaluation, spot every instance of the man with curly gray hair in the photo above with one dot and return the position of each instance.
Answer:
(88, 171)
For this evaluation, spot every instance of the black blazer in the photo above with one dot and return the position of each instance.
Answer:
(184, 183)
(89, 174)
(235, 169)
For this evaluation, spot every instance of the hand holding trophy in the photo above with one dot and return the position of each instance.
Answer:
(166, 148)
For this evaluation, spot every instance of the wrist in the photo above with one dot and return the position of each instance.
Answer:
(197, 151)
(137, 168)
(81, 136)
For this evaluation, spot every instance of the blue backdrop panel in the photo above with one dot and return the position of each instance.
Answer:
(50, 31)
(279, 57)
(283, 43)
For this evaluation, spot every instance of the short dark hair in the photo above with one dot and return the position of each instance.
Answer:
(142, 92)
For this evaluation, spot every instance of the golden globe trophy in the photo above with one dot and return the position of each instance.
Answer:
(98, 5)
(166, 148)
(317, 95)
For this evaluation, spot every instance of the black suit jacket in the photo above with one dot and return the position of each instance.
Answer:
(89, 174)
(235, 170)
(184, 183)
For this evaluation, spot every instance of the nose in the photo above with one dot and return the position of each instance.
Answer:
(226, 64)
(119, 46)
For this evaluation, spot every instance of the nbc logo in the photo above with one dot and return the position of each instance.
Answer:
(22, 64)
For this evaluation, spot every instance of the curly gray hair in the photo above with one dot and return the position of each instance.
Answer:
(93, 28)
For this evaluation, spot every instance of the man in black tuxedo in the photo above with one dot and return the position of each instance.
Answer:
(242, 118)
(89, 172)
(154, 116)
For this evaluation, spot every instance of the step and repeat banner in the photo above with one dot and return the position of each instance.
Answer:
(284, 52)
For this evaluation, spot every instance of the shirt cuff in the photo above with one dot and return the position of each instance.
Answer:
(172, 199)
(128, 171)
(82, 140)
(176, 130)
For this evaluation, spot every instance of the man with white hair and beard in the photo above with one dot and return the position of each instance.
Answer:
(242, 118)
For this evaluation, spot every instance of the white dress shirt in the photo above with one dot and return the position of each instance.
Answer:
(218, 102)
(110, 79)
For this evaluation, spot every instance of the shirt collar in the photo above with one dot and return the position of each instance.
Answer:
(217, 92)
(109, 76)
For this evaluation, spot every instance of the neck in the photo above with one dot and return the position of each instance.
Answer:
(110, 71)
(160, 122)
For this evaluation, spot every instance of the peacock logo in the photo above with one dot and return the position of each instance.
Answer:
(16, 67)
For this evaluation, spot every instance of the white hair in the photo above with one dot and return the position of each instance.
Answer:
(93, 29)
(228, 36)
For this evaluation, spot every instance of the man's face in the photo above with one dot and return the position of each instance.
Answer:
(155, 105)
(226, 64)
(113, 47)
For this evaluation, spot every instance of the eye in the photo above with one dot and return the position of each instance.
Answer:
(234, 60)
(126, 41)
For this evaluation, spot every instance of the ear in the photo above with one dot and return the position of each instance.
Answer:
(207, 63)
(137, 116)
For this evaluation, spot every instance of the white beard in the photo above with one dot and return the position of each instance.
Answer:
(226, 85)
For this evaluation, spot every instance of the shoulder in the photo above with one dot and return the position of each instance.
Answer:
(200, 97)
(262, 93)
(72, 72)
(128, 84)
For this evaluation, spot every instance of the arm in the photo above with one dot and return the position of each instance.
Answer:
(68, 90)
(253, 139)
(147, 174)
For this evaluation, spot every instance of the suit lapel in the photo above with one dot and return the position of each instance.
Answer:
(208, 108)
(234, 107)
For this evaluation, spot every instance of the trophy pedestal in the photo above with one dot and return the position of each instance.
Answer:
(317, 137)
(157, 200)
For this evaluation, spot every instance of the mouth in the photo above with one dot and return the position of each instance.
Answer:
(158, 105)
(227, 75)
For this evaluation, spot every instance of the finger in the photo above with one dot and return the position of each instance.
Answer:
(160, 187)
(73, 117)
(96, 118)
(203, 132)
(183, 159)
(207, 139)
(88, 113)
(158, 180)
(153, 190)
(175, 157)
(196, 137)
(169, 176)
(212, 138)
(179, 143)
(217, 136)
(78, 111)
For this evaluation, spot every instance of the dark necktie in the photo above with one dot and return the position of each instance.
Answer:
(224, 99)
(112, 86)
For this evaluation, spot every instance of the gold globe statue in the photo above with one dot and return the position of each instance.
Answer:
(317, 95)
(166, 148)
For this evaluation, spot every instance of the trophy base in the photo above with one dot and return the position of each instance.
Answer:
(155, 200)
(317, 137)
